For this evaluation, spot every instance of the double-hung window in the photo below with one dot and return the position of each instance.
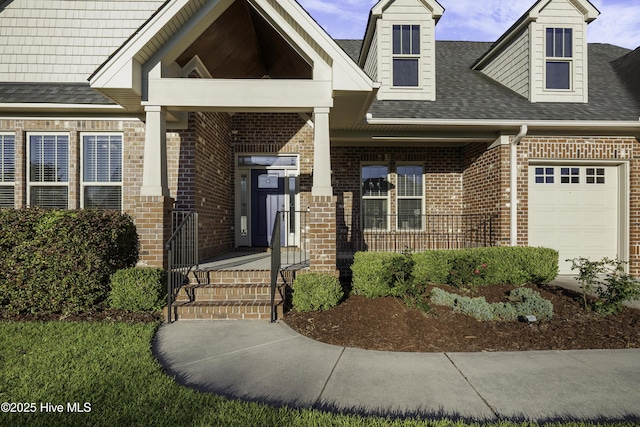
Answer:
(410, 197)
(7, 169)
(559, 54)
(49, 170)
(102, 171)
(406, 55)
(375, 196)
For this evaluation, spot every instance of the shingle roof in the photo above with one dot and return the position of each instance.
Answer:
(51, 93)
(462, 93)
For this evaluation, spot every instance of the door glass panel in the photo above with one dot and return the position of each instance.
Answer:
(267, 181)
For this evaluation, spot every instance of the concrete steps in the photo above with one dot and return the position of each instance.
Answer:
(228, 294)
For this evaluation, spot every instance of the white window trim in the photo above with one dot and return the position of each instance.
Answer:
(387, 197)
(417, 57)
(84, 183)
(422, 198)
(47, 184)
(11, 184)
(569, 60)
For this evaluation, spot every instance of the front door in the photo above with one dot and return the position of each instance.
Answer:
(267, 198)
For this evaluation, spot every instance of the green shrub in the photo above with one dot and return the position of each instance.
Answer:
(60, 261)
(316, 291)
(378, 274)
(138, 289)
(527, 302)
(483, 266)
(609, 281)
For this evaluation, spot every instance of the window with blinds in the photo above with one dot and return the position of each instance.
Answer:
(48, 170)
(374, 183)
(410, 195)
(102, 171)
(7, 170)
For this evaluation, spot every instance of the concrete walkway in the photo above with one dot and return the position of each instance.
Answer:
(271, 363)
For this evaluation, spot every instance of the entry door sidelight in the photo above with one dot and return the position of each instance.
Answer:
(267, 198)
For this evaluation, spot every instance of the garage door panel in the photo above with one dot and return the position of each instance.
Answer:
(577, 217)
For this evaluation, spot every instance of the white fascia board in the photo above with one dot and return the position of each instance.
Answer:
(584, 6)
(346, 73)
(434, 7)
(240, 94)
(564, 124)
(116, 69)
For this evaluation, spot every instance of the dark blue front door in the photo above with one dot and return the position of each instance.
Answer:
(267, 198)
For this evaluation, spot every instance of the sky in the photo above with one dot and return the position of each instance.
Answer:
(618, 23)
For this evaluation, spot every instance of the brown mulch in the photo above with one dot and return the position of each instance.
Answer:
(388, 324)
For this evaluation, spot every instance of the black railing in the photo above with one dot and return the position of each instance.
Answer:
(288, 248)
(416, 232)
(182, 250)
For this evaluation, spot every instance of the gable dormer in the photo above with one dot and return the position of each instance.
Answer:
(543, 56)
(399, 48)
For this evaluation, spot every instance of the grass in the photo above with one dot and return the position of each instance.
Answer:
(111, 366)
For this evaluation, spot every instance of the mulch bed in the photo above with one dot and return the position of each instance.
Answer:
(388, 324)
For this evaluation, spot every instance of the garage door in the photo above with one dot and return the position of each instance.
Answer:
(574, 209)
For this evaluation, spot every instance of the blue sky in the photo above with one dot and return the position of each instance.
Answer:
(618, 23)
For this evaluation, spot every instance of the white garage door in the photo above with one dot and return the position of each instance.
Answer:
(574, 209)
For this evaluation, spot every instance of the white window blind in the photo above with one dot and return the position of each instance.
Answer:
(49, 171)
(102, 171)
(410, 197)
(7, 170)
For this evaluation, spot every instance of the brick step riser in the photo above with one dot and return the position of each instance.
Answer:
(260, 311)
(231, 277)
(227, 293)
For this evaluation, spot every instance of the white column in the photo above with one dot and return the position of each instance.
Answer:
(321, 154)
(154, 173)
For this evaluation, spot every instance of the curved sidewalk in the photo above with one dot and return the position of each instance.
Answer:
(271, 363)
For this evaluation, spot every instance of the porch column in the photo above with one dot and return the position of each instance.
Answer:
(322, 207)
(154, 173)
(153, 210)
(321, 154)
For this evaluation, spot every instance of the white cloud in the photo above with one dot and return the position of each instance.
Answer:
(480, 20)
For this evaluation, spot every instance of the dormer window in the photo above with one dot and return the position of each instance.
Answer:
(559, 54)
(406, 55)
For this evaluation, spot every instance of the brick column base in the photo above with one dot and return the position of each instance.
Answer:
(153, 222)
(322, 234)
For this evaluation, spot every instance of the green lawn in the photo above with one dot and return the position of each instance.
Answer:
(111, 367)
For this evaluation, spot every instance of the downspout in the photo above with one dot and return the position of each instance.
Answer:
(514, 184)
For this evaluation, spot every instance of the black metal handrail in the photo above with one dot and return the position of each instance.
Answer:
(416, 232)
(182, 250)
(276, 253)
(288, 248)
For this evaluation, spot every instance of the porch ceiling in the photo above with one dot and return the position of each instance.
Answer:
(242, 44)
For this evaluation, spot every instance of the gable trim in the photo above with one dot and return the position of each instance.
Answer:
(588, 10)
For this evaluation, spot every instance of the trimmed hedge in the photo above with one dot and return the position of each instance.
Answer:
(138, 289)
(316, 291)
(378, 274)
(60, 261)
(483, 266)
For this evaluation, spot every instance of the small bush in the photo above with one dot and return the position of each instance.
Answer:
(59, 261)
(138, 289)
(616, 287)
(316, 291)
(378, 274)
(527, 302)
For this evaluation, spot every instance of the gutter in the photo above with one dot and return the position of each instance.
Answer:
(514, 184)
